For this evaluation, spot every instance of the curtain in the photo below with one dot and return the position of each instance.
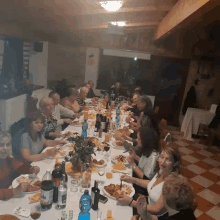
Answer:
(12, 67)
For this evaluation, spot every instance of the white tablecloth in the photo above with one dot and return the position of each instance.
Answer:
(72, 199)
(192, 120)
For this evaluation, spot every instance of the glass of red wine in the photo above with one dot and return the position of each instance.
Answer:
(107, 152)
(36, 211)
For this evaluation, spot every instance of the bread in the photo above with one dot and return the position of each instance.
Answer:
(35, 198)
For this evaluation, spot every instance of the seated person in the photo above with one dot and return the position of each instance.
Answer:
(51, 128)
(148, 141)
(169, 161)
(28, 144)
(116, 90)
(134, 108)
(178, 197)
(91, 94)
(70, 101)
(82, 95)
(10, 168)
(59, 110)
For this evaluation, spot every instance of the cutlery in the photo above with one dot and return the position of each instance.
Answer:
(118, 171)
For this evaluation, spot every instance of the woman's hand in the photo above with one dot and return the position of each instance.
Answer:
(128, 119)
(77, 115)
(126, 178)
(124, 200)
(22, 187)
(132, 153)
(131, 160)
(35, 170)
(52, 152)
(142, 205)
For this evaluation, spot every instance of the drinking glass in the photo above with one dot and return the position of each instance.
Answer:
(99, 214)
(75, 183)
(101, 171)
(36, 211)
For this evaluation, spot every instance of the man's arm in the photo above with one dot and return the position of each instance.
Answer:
(65, 112)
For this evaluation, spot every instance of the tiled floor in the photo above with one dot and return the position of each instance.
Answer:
(201, 165)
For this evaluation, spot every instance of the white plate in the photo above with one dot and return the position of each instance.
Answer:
(96, 165)
(123, 183)
(57, 155)
(15, 182)
(117, 147)
(115, 161)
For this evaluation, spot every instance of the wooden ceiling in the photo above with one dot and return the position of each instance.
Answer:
(57, 20)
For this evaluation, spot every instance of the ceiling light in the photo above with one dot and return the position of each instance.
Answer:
(135, 58)
(118, 23)
(111, 5)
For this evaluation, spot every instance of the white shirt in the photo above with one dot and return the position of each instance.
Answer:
(148, 164)
(154, 192)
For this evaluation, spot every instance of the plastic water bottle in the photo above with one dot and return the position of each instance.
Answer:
(84, 130)
(85, 205)
(62, 194)
(118, 115)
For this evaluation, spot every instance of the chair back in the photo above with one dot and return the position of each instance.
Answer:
(168, 139)
(213, 108)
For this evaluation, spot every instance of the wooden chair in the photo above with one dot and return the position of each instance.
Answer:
(210, 133)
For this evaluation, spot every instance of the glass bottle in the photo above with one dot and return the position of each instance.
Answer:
(62, 194)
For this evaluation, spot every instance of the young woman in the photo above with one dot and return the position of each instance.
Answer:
(28, 144)
(148, 142)
(169, 161)
(11, 168)
(70, 101)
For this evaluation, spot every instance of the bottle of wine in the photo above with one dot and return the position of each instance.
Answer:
(97, 124)
(95, 191)
(63, 167)
(57, 178)
(103, 122)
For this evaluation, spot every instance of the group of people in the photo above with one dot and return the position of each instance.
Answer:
(164, 192)
(42, 127)
(156, 165)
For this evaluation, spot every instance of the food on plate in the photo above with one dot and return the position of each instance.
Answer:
(35, 198)
(98, 162)
(119, 143)
(124, 131)
(35, 184)
(116, 190)
(8, 217)
(120, 158)
(23, 179)
(119, 166)
(94, 141)
(92, 116)
(61, 153)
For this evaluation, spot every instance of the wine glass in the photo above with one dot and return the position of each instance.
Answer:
(36, 211)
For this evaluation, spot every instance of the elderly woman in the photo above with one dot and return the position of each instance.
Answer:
(82, 95)
(51, 129)
(169, 161)
(10, 168)
(28, 144)
(178, 198)
(70, 101)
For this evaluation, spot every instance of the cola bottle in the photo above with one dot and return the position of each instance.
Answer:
(47, 191)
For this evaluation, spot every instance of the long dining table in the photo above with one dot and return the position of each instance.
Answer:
(118, 211)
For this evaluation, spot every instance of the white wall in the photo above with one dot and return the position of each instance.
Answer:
(38, 63)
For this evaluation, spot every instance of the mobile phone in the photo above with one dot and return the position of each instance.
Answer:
(103, 199)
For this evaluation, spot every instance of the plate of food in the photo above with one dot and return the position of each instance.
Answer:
(118, 144)
(76, 123)
(120, 159)
(62, 152)
(98, 162)
(94, 141)
(119, 166)
(35, 198)
(35, 183)
(115, 190)
(8, 217)
(67, 134)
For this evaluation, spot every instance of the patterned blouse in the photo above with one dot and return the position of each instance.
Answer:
(49, 126)
(81, 102)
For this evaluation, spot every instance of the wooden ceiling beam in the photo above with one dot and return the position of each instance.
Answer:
(183, 14)
(126, 10)
(129, 25)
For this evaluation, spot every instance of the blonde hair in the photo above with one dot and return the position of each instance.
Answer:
(177, 192)
(5, 134)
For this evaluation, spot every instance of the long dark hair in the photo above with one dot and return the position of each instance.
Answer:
(149, 141)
